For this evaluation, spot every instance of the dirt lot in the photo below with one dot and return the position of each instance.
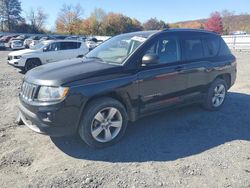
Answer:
(188, 147)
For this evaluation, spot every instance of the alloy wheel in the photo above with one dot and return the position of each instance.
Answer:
(106, 125)
(218, 95)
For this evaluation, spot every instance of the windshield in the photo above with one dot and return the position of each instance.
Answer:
(39, 46)
(118, 48)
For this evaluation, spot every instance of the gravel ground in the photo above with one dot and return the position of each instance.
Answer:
(188, 147)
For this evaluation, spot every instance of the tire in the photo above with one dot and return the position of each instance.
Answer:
(95, 132)
(216, 95)
(31, 63)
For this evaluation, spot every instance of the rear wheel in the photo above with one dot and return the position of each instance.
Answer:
(216, 95)
(31, 63)
(104, 123)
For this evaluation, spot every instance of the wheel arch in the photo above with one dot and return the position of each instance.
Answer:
(122, 98)
(33, 58)
(226, 77)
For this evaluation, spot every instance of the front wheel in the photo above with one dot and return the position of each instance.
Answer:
(216, 95)
(31, 63)
(104, 122)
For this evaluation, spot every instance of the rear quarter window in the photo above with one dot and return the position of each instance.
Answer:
(212, 46)
(224, 49)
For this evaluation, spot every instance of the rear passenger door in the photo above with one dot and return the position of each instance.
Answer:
(70, 49)
(197, 64)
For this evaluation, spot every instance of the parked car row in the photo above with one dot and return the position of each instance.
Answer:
(16, 42)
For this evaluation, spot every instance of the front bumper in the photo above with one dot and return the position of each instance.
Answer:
(59, 122)
(17, 62)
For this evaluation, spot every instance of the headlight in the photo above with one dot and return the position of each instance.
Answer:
(18, 57)
(48, 93)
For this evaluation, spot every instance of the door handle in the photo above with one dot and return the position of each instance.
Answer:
(179, 68)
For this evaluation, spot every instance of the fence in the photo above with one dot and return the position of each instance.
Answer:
(238, 42)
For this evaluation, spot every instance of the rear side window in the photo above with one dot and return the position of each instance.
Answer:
(192, 49)
(224, 50)
(70, 45)
(212, 45)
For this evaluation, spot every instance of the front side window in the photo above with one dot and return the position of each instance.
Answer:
(166, 49)
(53, 47)
(117, 49)
(38, 46)
(192, 49)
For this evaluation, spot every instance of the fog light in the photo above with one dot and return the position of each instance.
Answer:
(47, 116)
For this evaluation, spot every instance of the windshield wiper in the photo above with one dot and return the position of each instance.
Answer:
(94, 58)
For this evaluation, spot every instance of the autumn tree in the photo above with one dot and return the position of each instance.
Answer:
(155, 24)
(115, 23)
(10, 14)
(214, 23)
(69, 19)
(37, 19)
(93, 24)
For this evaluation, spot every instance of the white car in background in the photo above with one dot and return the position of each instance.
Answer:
(17, 45)
(30, 39)
(47, 52)
(91, 44)
(33, 43)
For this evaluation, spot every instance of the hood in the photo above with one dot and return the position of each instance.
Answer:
(22, 52)
(62, 72)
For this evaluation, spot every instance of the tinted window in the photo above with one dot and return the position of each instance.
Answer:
(212, 45)
(224, 50)
(70, 45)
(192, 49)
(167, 50)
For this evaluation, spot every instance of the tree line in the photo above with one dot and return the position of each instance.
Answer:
(71, 20)
(99, 22)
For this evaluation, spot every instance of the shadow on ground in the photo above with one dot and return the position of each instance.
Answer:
(172, 134)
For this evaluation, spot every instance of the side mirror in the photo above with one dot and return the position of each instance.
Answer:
(150, 59)
(45, 49)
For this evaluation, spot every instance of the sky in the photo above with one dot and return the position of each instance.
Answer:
(166, 10)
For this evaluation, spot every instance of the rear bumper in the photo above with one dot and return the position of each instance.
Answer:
(17, 47)
(40, 123)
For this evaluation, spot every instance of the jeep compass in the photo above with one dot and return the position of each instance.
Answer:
(125, 78)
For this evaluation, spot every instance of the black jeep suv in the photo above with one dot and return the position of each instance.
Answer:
(127, 77)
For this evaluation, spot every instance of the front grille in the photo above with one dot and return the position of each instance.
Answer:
(28, 91)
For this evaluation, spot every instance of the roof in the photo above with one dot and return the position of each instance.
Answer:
(147, 34)
(188, 30)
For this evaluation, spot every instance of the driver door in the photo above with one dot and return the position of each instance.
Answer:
(162, 84)
(51, 53)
